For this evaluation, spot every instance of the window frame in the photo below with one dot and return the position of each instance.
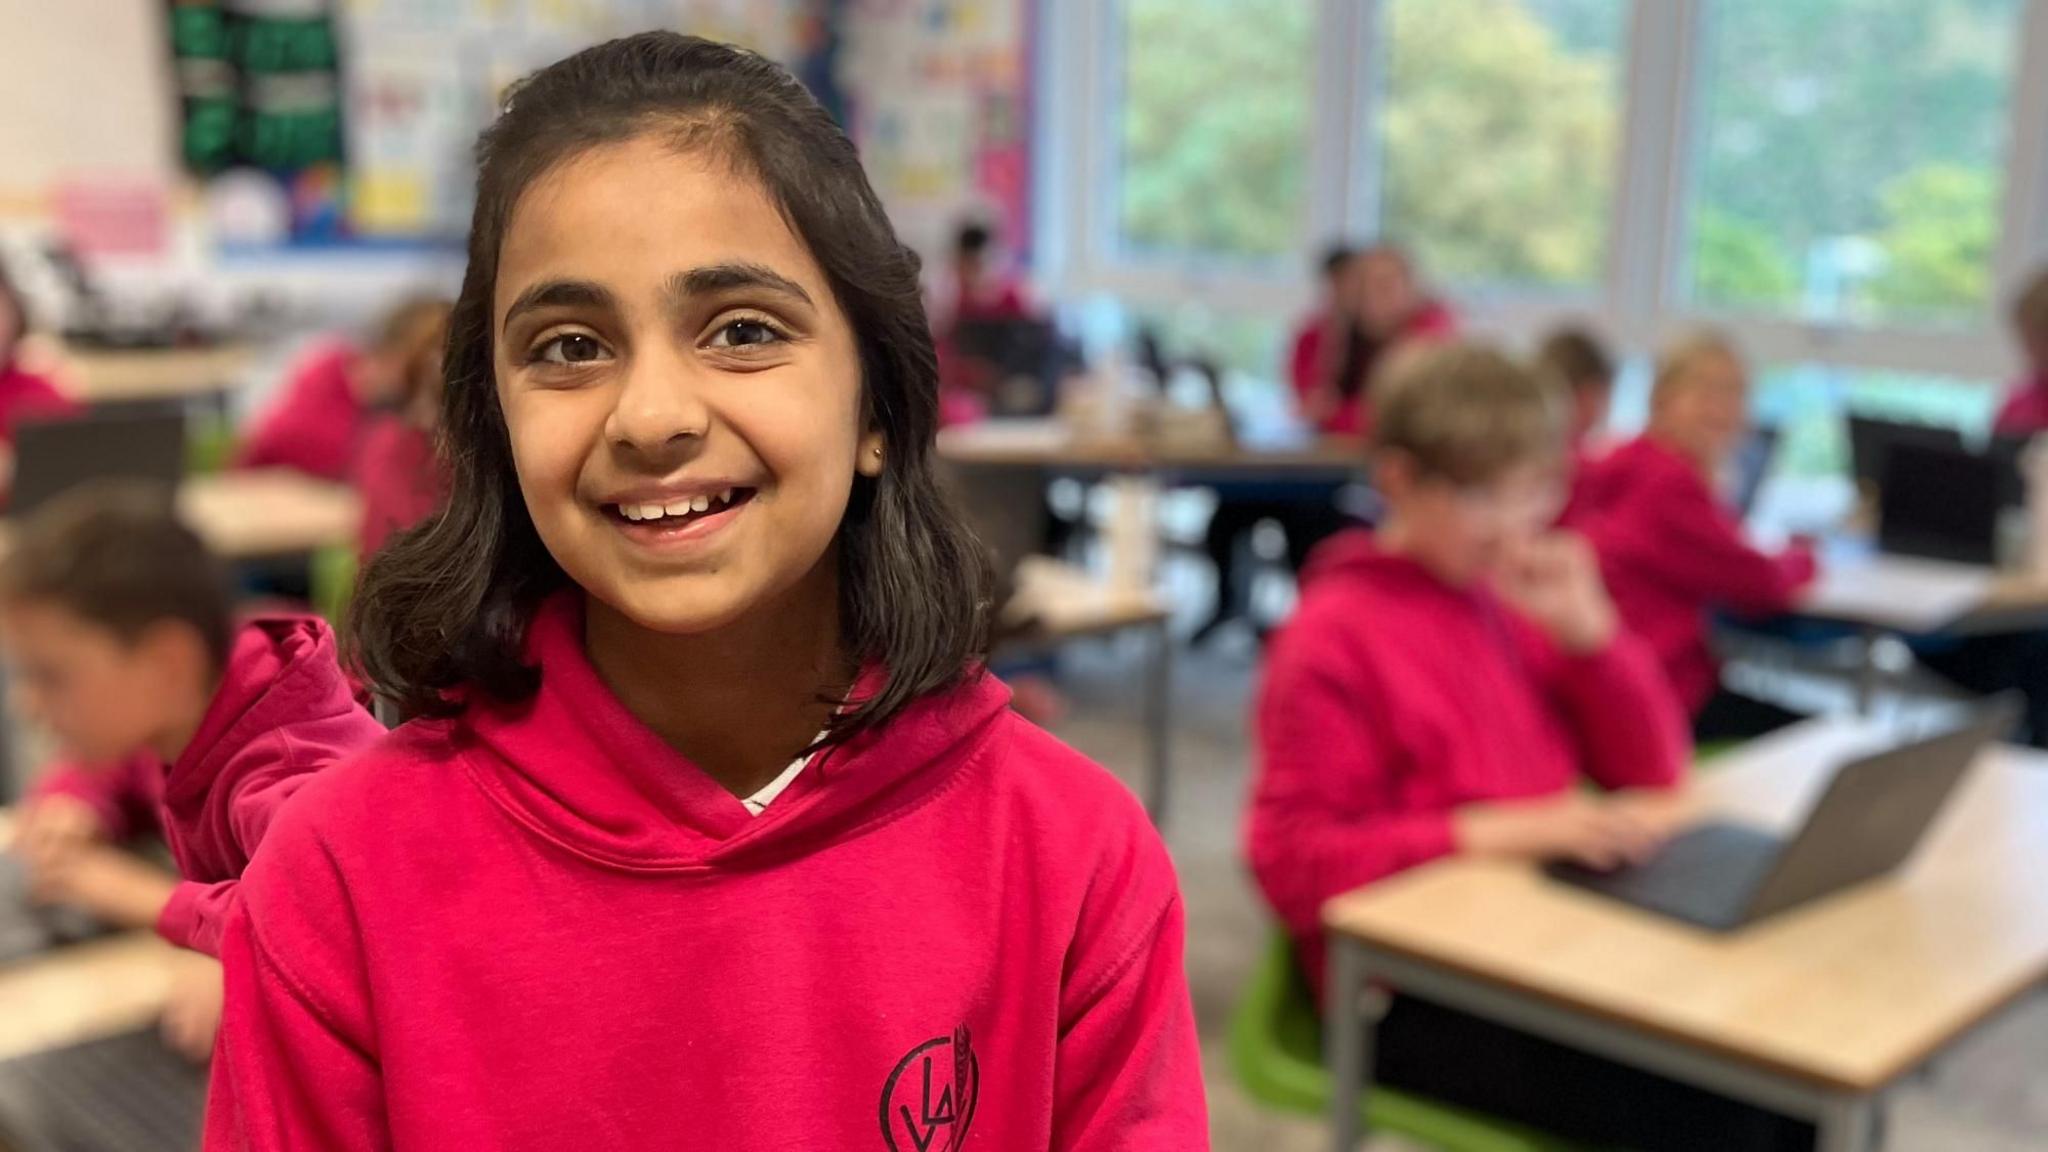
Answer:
(1639, 300)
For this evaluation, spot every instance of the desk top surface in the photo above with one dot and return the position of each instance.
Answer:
(1052, 444)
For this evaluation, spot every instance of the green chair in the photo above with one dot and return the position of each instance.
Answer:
(209, 445)
(331, 582)
(1705, 754)
(1276, 1050)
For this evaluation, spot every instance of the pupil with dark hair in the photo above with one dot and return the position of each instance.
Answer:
(706, 792)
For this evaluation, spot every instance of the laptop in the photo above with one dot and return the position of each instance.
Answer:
(124, 1093)
(132, 442)
(1875, 811)
(1871, 441)
(28, 929)
(1940, 503)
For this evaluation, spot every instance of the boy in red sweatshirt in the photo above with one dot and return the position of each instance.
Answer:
(22, 393)
(117, 625)
(398, 472)
(1445, 687)
(1670, 549)
(2025, 411)
(316, 421)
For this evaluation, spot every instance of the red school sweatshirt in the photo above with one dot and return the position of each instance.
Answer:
(400, 478)
(1392, 698)
(314, 423)
(283, 711)
(26, 394)
(2025, 410)
(536, 926)
(1672, 553)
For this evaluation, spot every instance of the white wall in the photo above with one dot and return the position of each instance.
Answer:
(85, 87)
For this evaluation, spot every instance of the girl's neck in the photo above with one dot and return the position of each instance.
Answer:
(741, 702)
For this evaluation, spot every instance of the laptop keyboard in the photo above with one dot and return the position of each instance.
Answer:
(27, 929)
(126, 1093)
(1706, 876)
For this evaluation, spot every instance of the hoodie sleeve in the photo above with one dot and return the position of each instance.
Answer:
(196, 915)
(1694, 545)
(118, 795)
(1128, 1071)
(1317, 828)
(1630, 730)
(295, 1066)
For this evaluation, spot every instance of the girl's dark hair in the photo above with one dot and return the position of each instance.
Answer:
(447, 604)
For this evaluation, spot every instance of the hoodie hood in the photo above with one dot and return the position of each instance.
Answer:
(1355, 553)
(578, 769)
(281, 673)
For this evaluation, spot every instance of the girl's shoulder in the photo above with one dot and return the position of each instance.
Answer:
(1076, 800)
(409, 777)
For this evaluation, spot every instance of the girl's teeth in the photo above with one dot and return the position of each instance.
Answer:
(701, 504)
(725, 497)
(677, 508)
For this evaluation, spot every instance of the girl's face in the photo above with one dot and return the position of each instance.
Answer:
(1705, 410)
(680, 389)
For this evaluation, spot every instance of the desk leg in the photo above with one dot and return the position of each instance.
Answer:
(1347, 1033)
(1849, 1124)
(1866, 673)
(1158, 729)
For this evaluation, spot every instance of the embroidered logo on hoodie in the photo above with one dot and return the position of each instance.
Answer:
(931, 1094)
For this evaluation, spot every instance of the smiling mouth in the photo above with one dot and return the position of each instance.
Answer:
(680, 512)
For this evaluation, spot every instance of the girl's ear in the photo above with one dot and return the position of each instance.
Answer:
(869, 462)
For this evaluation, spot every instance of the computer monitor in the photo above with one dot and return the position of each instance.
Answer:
(54, 455)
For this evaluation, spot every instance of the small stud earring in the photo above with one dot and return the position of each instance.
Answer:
(877, 452)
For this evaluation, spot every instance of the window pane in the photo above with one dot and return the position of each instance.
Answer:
(1215, 126)
(1498, 133)
(1850, 156)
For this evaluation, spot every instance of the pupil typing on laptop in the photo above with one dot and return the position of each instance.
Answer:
(1450, 685)
(172, 719)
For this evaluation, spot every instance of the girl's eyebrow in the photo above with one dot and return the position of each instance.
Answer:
(560, 294)
(729, 276)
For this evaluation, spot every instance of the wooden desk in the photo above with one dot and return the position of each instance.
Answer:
(87, 991)
(246, 515)
(1880, 594)
(1056, 602)
(1049, 444)
(1813, 1013)
(249, 515)
(84, 992)
(1904, 594)
(102, 377)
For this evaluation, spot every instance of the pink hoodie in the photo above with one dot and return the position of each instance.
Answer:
(314, 423)
(26, 394)
(1672, 553)
(536, 926)
(284, 710)
(1392, 698)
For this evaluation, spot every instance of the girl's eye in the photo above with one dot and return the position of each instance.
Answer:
(744, 333)
(570, 348)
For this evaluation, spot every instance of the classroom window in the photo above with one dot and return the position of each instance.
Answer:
(1498, 128)
(1213, 127)
(1809, 405)
(1848, 163)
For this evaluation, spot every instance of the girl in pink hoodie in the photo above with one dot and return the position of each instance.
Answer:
(708, 831)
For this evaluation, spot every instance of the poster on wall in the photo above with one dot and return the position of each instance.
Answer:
(260, 117)
(941, 113)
